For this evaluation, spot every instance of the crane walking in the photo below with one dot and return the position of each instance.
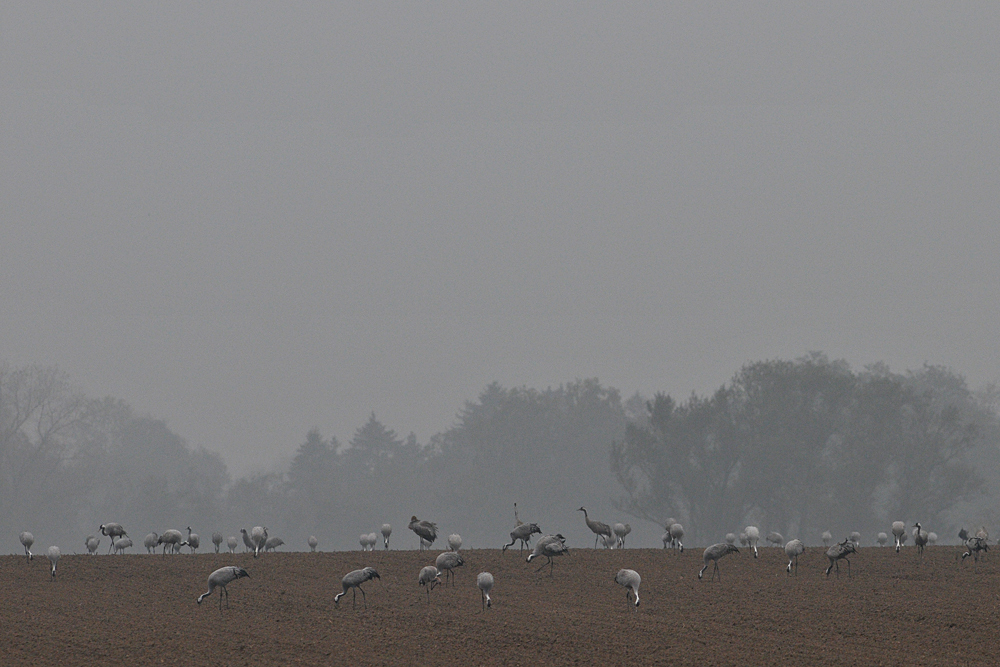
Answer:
(714, 553)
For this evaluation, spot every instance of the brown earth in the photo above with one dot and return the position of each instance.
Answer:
(140, 609)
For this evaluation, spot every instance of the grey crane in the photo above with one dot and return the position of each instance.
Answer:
(447, 562)
(231, 543)
(630, 579)
(27, 539)
(53, 555)
(150, 542)
(899, 532)
(171, 538)
(677, 537)
(598, 527)
(386, 532)
(753, 536)
(881, 538)
(973, 546)
(222, 578)
(730, 538)
(353, 580)
(839, 552)
(932, 538)
(429, 578)
(121, 544)
(522, 532)
(247, 542)
(273, 543)
(856, 538)
(366, 542)
(192, 542)
(372, 541)
(313, 542)
(666, 539)
(92, 544)
(425, 530)
(714, 553)
(775, 538)
(919, 538)
(454, 541)
(114, 531)
(827, 537)
(258, 535)
(484, 580)
(619, 530)
(217, 541)
(549, 546)
(794, 549)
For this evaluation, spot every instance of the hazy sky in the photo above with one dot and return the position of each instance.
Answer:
(252, 219)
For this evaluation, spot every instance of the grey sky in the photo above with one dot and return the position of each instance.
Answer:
(252, 219)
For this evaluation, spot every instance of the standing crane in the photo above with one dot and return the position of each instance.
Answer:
(429, 577)
(714, 553)
(899, 532)
(839, 552)
(54, 558)
(549, 546)
(793, 550)
(522, 532)
(447, 562)
(27, 539)
(484, 580)
(630, 579)
(353, 580)
(222, 578)
(386, 532)
(426, 530)
(598, 527)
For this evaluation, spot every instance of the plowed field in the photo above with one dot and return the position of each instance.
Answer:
(140, 609)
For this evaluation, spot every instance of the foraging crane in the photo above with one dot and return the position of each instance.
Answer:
(839, 552)
(608, 542)
(598, 527)
(372, 540)
(222, 578)
(231, 543)
(386, 532)
(247, 542)
(714, 553)
(27, 539)
(774, 538)
(193, 541)
(92, 544)
(447, 562)
(363, 541)
(619, 530)
(150, 542)
(114, 531)
(429, 577)
(353, 580)
(731, 538)
(313, 542)
(54, 558)
(974, 546)
(273, 543)
(425, 530)
(793, 550)
(522, 532)
(676, 535)
(484, 580)
(753, 536)
(882, 538)
(666, 539)
(827, 538)
(454, 541)
(549, 546)
(932, 538)
(919, 538)
(630, 579)
(217, 541)
(172, 538)
(982, 533)
(121, 544)
(258, 535)
(856, 538)
(743, 539)
(899, 532)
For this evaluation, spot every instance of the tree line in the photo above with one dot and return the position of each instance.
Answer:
(796, 446)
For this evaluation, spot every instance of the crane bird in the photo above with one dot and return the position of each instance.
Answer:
(774, 538)
(247, 542)
(454, 541)
(839, 552)
(273, 543)
(425, 530)
(150, 542)
(217, 541)
(882, 538)
(429, 578)
(919, 538)
(447, 562)
(630, 579)
(932, 538)
(856, 538)
(899, 532)
(27, 539)
(232, 543)
(609, 542)
(549, 546)
(794, 549)
(827, 538)
(171, 538)
(92, 544)
(485, 582)
(193, 541)
(54, 558)
(121, 544)
(714, 553)
(753, 536)
(114, 531)
(258, 535)
(598, 527)
(743, 539)
(522, 532)
(676, 536)
(974, 545)
(313, 542)
(364, 539)
(222, 578)
(386, 532)
(353, 580)
(619, 530)
(372, 541)
(730, 538)
(666, 539)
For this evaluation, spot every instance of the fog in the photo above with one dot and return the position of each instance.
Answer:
(250, 220)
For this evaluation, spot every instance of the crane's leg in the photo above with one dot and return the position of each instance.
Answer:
(543, 566)
(716, 571)
(848, 567)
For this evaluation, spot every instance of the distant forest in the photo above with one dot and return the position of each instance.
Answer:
(797, 446)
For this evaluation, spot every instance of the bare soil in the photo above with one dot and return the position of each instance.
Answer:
(140, 609)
